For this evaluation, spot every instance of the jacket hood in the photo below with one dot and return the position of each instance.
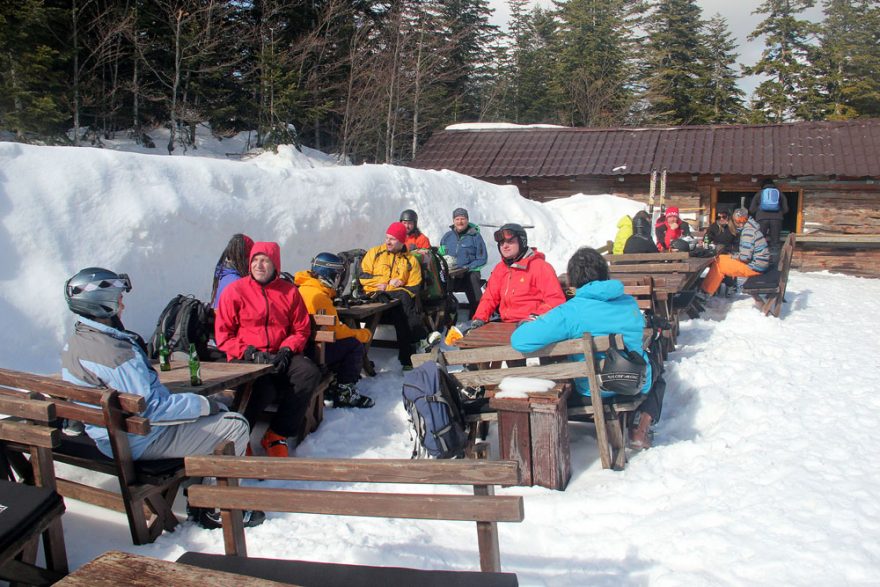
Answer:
(624, 221)
(642, 226)
(471, 229)
(601, 290)
(271, 250)
(223, 269)
(523, 262)
(306, 279)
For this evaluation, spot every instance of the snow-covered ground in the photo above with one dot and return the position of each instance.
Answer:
(762, 471)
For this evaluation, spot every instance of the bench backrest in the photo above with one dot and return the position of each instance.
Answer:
(323, 332)
(483, 507)
(649, 262)
(31, 427)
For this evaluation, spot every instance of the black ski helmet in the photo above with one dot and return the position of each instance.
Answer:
(510, 229)
(409, 216)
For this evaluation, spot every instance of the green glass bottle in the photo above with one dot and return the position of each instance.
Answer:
(164, 354)
(195, 367)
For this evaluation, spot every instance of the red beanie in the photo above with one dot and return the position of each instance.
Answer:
(397, 230)
(672, 211)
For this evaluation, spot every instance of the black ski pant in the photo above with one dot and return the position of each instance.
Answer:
(408, 324)
(469, 283)
(771, 227)
(292, 390)
(345, 357)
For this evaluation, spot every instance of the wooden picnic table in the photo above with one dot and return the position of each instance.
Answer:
(489, 334)
(122, 568)
(216, 377)
(369, 315)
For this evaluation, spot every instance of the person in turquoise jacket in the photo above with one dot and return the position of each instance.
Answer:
(600, 307)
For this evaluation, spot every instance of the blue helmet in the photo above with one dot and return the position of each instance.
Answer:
(328, 268)
(94, 292)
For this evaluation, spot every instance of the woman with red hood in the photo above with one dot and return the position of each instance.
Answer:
(670, 229)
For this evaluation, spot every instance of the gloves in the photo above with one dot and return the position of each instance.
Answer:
(254, 356)
(211, 407)
(281, 361)
(466, 327)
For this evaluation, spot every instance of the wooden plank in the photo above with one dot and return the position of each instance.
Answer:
(121, 568)
(215, 376)
(29, 409)
(356, 470)
(324, 320)
(29, 434)
(350, 503)
(555, 372)
(674, 267)
(631, 258)
(57, 388)
(93, 495)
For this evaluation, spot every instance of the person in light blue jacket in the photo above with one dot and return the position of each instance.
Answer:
(464, 242)
(101, 353)
(600, 307)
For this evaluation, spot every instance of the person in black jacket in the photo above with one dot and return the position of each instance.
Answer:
(770, 220)
(640, 241)
(722, 233)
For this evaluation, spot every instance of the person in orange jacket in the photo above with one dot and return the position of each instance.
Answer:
(415, 239)
(261, 318)
(345, 357)
(523, 284)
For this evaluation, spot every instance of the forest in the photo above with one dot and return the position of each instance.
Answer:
(370, 80)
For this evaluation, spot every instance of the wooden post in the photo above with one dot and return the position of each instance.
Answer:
(598, 404)
(487, 538)
(233, 524)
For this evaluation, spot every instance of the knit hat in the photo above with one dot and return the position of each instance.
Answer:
(460, 212)
(672, 211)
(397, 230)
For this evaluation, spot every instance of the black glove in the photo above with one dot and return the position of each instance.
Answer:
(254, 356)
(466, 327)
(282, 360)
(214, 407)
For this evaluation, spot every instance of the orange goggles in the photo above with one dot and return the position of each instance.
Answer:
(504, 235)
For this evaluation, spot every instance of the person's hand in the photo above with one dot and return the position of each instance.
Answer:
(382, 286)
(254, 356)
(282, 360)
(466, 327)
(212, 407)
(395, 282)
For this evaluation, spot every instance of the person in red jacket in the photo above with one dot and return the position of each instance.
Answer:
(670, 229)
(523, 285)
(262, 319)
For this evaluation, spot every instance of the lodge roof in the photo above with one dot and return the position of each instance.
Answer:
(844, 149)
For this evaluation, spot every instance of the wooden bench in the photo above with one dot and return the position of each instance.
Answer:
(32, 507)
(768, 289)
(537, 440)
(146, 488)
(483, 507)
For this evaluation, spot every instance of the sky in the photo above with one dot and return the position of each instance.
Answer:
(762, 473)
(740, 20)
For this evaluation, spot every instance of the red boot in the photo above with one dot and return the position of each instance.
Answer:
(275, 445)
(640, 436)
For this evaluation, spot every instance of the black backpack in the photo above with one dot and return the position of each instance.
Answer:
(184, 320)
(351, 291)
(433, 402)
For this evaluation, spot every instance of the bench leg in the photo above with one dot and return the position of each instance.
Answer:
(618, 442)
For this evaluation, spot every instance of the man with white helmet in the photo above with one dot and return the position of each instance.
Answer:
(101, 353)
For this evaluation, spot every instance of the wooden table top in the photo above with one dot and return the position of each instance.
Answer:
(362, 311)
(121, 568)
(215, 376)
(665, 281)
(490, 334)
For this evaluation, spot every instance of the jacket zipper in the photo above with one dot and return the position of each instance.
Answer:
(266, 326)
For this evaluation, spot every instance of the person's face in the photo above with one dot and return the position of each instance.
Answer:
(509, 247)
(392, 244)
(262, 268)
(722, 219)
(410, 226)
(740, 221)
(121, 307)
(460, 223)
(673, 222)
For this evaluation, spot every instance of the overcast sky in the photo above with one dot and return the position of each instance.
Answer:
(738, 13)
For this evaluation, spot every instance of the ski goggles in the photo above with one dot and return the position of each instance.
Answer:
(505, 235)
(121, 282)
(740, 220)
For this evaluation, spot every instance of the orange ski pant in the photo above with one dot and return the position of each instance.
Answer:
(725, 266)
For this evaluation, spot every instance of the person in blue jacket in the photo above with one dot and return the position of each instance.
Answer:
(464, 242)
(101, 353)
(600, 307)
(234, 263)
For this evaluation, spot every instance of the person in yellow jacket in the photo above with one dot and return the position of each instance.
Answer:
(345, 357)
(390, 271)
(624, 231)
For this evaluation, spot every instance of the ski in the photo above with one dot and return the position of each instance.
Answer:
(652, 210)
(663, 192)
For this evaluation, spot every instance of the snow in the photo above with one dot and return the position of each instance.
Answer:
(761, 472)
(497, 126)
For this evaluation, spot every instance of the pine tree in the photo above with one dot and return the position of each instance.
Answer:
(848, 64)
(593, 73)
(32, 91)
(676, 68)
(785, 59)
(722, 95)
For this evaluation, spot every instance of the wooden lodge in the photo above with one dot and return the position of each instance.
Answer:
(829, 171)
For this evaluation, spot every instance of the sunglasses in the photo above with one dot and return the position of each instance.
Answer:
(723, 217)
(505, 236)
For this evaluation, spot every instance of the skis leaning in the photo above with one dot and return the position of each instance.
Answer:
(652, 210)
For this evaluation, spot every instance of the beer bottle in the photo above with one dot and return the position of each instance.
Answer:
(164, 354)
(195, 368)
